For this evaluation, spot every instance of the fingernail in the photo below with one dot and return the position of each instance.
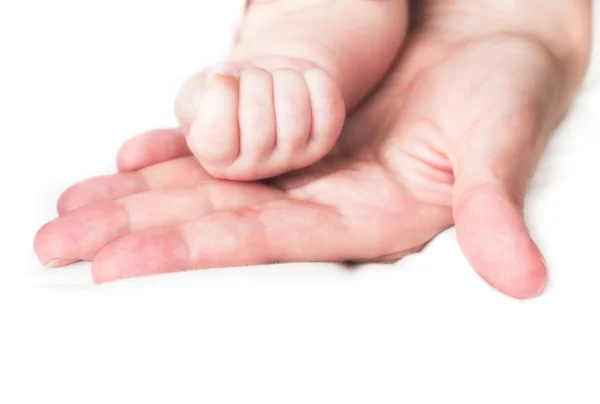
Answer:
(543, 285)
(60, 263)
(225, 70)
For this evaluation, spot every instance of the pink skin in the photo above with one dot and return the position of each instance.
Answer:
(279, 102)
(452, 136)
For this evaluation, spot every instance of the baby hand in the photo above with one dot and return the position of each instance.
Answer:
(260, 118)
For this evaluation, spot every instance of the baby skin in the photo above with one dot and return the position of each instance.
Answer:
(279, 102)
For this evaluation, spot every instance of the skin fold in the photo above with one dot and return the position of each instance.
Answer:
(451, 136)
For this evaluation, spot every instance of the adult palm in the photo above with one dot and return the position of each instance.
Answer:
(451, 137)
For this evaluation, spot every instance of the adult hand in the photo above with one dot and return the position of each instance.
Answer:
(452, 136)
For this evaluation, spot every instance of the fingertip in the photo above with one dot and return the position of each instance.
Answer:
(214, 133)
(66, 201)
(100, 189)
(104, 266)
(187, 100)
(41, 244)
(82, 193)
(527, 287)
(128, 158)
(52, 250)
(494, 238)
(115, 261)
(151, 148)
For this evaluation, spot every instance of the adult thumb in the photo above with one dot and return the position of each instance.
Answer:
(492, 171)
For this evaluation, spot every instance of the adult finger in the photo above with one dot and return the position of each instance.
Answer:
(277, 231)
(81, 233)
(183, 172)
(151, 148)
(490, 106)
(494, 161)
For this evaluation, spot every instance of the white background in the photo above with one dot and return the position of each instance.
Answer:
(77, 78)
